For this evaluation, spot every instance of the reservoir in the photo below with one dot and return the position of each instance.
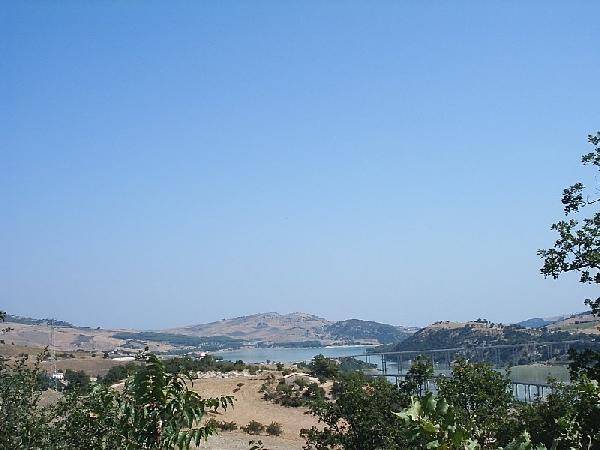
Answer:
(535, 373)
(289, 355)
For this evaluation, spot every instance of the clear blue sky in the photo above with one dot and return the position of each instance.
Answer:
(168, 163)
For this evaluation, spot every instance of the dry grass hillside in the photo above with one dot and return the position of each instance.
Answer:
(249, 405)
(69, 338)
(272, 327)
(585, 323)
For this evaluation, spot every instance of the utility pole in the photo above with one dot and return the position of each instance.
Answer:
(53, 354)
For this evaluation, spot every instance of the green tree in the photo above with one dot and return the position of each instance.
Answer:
(160, 411)
(361, 417)
(323, 368)
(23, 422)
(568, 418)
(577, 249)
(117, 373)
(92, 421)
(481, 399)
(77, 380)
(419, 375)
(156, 410)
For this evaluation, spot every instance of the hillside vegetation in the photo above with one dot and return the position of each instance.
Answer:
(354, 329)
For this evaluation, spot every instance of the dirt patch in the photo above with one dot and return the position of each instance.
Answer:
(248, 406)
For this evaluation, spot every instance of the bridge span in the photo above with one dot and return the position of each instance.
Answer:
(394, 365)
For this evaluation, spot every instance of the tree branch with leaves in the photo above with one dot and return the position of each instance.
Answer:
(577, 248)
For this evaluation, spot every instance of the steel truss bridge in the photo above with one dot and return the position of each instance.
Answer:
(394, 365)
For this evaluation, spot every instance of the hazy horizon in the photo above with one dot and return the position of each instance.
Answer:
(173, 326)
(172, 164)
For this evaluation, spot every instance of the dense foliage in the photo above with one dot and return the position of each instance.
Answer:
(207, 363)
(354, 329)
(323, 368)
(568, 418)
(155, 410)
(361, 416)
(480, 397)
(298, 393)
(473, 409)
(577, 249)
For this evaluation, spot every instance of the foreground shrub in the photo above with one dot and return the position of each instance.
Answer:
(222, 425)
(274, 429)
(155, 410)
(254, 427)
(23, 422)
(430, 423)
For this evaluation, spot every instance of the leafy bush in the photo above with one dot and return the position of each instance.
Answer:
(300, 393)
(221, 425)
(155, 410)
(254, 427)
(228, 426)
(274, 429)
(23, 422)
(430, 423)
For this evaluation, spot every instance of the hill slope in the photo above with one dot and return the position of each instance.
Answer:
(354, 329)
(270, 326)
(298, 327)
(481, 333)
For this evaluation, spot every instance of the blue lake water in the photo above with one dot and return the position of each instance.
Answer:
(528, 373)
(258, 355)
(535, 373)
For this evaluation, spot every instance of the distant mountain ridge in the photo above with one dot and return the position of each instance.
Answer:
(30, 321)
(298, 327)
(301, 329)
(481, 333)
(583, 322)
(539, 322)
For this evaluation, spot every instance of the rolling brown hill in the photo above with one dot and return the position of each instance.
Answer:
(295, 329)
